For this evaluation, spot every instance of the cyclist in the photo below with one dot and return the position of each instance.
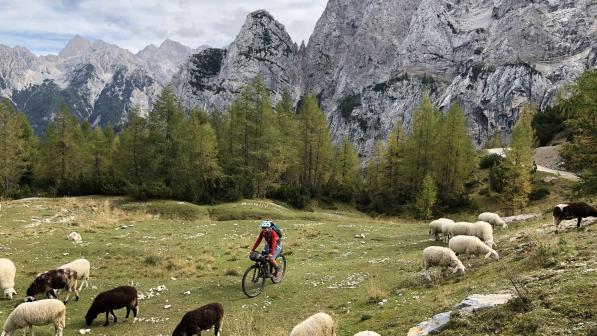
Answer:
(272, 246)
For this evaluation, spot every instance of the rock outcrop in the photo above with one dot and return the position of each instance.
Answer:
(213, 78)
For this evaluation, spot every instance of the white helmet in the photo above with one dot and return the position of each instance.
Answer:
(265, 224)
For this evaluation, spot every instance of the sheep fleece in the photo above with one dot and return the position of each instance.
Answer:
(37, 313)
(320, 324)
(7, 275)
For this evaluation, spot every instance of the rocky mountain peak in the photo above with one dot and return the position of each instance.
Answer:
(215, 77)
(75, 47)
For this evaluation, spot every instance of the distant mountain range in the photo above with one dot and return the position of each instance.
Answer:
(368, 62)
(99, 81)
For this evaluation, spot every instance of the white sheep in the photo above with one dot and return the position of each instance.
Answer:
(367, 333)
(74, 237)
(483, 231)
(436, 226)
(320, 324)
(7, 277)
(83, 269)
(456, 229)
(440, 256)
(493, 219)
(37, 313)
(472, 246)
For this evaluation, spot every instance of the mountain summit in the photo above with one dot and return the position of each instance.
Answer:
(75, 47)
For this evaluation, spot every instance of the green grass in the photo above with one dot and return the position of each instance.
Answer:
(203, 249)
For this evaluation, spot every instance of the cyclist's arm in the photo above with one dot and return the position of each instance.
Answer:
(257, 242)
(274, 243)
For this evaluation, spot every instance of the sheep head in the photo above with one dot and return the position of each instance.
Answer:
(91, 315)
(35, 288)
(493, 254)
(9, 292)
(459, 269)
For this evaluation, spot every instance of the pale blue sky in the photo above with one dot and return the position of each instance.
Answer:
(45, 26)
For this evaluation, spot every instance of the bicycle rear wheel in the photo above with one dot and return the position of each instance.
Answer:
(281, 260)
(253, 281)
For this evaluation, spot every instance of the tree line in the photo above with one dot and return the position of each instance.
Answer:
(255, 149)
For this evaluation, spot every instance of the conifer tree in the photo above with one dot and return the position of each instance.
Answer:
(99, 151)
(61, 148)
(288, 141)
(345, 171)
(13, 148)
(456, 154)
(426, 198)
(374, 175)
(395, 187)
(165, 123)
(315, 150)
(202, 167)
(132, 152)
(249, 144)
(581, 108)
(421, 145)
(517, 181)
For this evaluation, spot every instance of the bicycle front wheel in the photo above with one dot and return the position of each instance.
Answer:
(281, 260)
(253, 281)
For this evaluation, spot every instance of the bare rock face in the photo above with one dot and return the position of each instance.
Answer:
(369, 60)
(213, 78)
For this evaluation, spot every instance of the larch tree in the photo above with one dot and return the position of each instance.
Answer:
(13, 148)
(61, 147)
(580, 106)
(315, 149)
(426, 198)
(345, 178)
(132, 152)
(519, 160)
(395, 188)
(201, 163)
(289, 141)
(165, 141)
(456, 154)
(421, 146)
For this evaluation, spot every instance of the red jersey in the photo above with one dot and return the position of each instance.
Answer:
(270, 239)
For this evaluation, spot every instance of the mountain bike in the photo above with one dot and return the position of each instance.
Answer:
(255, 276)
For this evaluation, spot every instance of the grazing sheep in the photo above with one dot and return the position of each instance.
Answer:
(572, 210)
(456, 229)
(440, 256)
(436, 226)
(48, 281)
(7, 277)
(493, 219)
(471, 245)
(74, 237)
(116, 298)
(37, 313)
(202, 318)
(367, 333)
(320, 324)
(83, 269)
(483, 231)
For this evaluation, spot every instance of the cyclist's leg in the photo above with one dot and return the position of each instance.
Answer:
(277, 251)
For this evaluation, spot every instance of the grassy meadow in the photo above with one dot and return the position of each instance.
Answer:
(365, 272)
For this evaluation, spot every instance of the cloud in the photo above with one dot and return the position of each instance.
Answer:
(45, 26)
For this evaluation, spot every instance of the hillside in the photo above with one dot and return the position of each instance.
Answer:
(339, 261)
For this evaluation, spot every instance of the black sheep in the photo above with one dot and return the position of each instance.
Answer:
(48, 281)
(572, 210)
(116, 298)
(202, 318)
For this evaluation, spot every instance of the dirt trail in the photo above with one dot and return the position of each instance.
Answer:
(548, 160)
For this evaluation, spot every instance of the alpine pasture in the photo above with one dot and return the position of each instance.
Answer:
(364, 272)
